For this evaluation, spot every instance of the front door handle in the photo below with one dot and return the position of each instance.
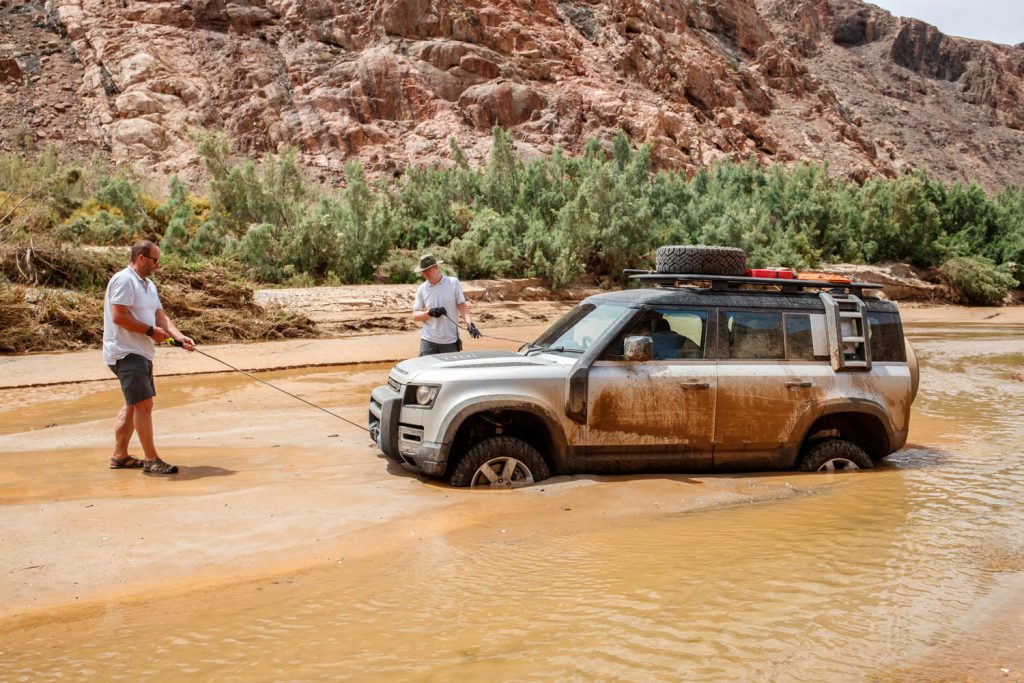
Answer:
(697, 385)
(795, 385)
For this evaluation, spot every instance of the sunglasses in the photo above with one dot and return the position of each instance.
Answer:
(154, 260)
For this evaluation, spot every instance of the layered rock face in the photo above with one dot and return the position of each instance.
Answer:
(389, 82)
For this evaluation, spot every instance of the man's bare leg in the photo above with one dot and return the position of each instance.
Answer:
(143, 414)
(124, 427)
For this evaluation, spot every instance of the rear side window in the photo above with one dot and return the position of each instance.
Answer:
(886, 337)
(800, 337)
(754, 335)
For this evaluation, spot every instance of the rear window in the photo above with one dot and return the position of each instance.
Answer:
(886, 337)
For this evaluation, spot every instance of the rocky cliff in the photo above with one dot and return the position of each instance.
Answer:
(390, 81)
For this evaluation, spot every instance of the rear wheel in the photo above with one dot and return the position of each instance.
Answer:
(835, 455)
(500, 462)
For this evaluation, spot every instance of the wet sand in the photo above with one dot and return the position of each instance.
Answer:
(270, 487)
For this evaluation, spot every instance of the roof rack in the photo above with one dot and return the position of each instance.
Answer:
(734, 282)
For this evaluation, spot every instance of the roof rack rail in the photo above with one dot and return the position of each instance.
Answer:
(734, 282)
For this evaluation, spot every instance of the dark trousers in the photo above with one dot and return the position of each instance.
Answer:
(136, 375)
(429, 348)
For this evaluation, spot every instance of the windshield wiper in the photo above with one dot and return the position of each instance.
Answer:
(559, 349)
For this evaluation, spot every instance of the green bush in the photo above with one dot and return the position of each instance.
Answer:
(242, 194)
(557, 217)
(978, 281)
(398, 267)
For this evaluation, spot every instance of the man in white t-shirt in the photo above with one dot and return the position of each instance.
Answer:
(133, 323)
(439, 303)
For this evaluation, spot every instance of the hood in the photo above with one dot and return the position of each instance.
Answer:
(469, 360)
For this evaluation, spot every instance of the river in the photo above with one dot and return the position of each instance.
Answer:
(911, 571)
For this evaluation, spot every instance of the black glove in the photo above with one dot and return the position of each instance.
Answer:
(473, 332)
(437, 311)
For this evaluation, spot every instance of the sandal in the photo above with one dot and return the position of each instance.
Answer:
(126, 463)
(158, 466)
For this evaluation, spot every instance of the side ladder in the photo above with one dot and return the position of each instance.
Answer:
(847, 330)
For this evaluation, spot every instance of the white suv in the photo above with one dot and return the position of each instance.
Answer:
(701, 373)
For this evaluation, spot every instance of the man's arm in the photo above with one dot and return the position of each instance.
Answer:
(122, 317)
(165, 322)
(470, 327)
(419, 314)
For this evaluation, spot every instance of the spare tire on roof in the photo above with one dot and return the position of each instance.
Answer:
(701, 260)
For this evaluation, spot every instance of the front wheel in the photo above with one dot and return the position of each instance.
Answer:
(500, 462)
(835, 455)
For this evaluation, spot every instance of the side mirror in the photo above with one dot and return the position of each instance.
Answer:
(638, 348)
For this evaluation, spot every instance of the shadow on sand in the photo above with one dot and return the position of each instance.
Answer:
(200, 472)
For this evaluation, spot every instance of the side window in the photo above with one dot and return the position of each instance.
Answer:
(800, 338)
(679, 334)
(754, 335)
(885, 337)
(676, 334)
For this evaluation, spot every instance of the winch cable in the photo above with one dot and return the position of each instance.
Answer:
(175, 342)
(488, 336)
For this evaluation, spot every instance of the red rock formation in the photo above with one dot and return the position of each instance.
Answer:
(390, 81)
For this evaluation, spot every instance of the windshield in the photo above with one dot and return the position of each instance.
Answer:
(579, 328)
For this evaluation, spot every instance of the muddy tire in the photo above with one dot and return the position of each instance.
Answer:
(835, 455)
(500, 462)
(701, 260)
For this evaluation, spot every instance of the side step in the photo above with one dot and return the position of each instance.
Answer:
(847, 329)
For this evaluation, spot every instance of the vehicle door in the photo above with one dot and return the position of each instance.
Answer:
(660, 413)
(774, 378)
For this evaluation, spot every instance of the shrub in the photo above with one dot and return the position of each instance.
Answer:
(260, 249)
(242, 195)
(398, 266)
(978, 281)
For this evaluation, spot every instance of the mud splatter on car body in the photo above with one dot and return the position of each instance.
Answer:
(733, 378)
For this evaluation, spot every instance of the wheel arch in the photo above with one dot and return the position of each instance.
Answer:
(520, 417)
(863, 423)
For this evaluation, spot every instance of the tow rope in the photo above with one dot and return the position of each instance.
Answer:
(488, 336)
(175, 342)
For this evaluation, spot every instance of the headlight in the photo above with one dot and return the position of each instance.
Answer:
(425, 395)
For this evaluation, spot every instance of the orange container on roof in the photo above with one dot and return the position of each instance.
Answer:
(823, 277)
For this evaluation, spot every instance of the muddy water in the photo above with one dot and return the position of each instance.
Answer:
(908, 572)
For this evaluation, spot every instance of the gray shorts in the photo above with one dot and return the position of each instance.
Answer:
(429, 348)
(136, 375)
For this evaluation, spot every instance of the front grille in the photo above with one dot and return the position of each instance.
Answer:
(395, 386)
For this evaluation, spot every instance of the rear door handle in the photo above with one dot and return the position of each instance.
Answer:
(794, 385)
(697, 385)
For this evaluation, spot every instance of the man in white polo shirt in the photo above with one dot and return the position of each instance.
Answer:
(133, 322)
(439, 303)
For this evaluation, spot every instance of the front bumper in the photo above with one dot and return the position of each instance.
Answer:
(402, 443)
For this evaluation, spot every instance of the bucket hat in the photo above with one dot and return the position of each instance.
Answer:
(427, 261)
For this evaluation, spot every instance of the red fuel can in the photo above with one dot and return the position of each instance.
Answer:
(775, 273)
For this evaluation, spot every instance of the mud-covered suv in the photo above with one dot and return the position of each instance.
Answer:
(703, 372)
